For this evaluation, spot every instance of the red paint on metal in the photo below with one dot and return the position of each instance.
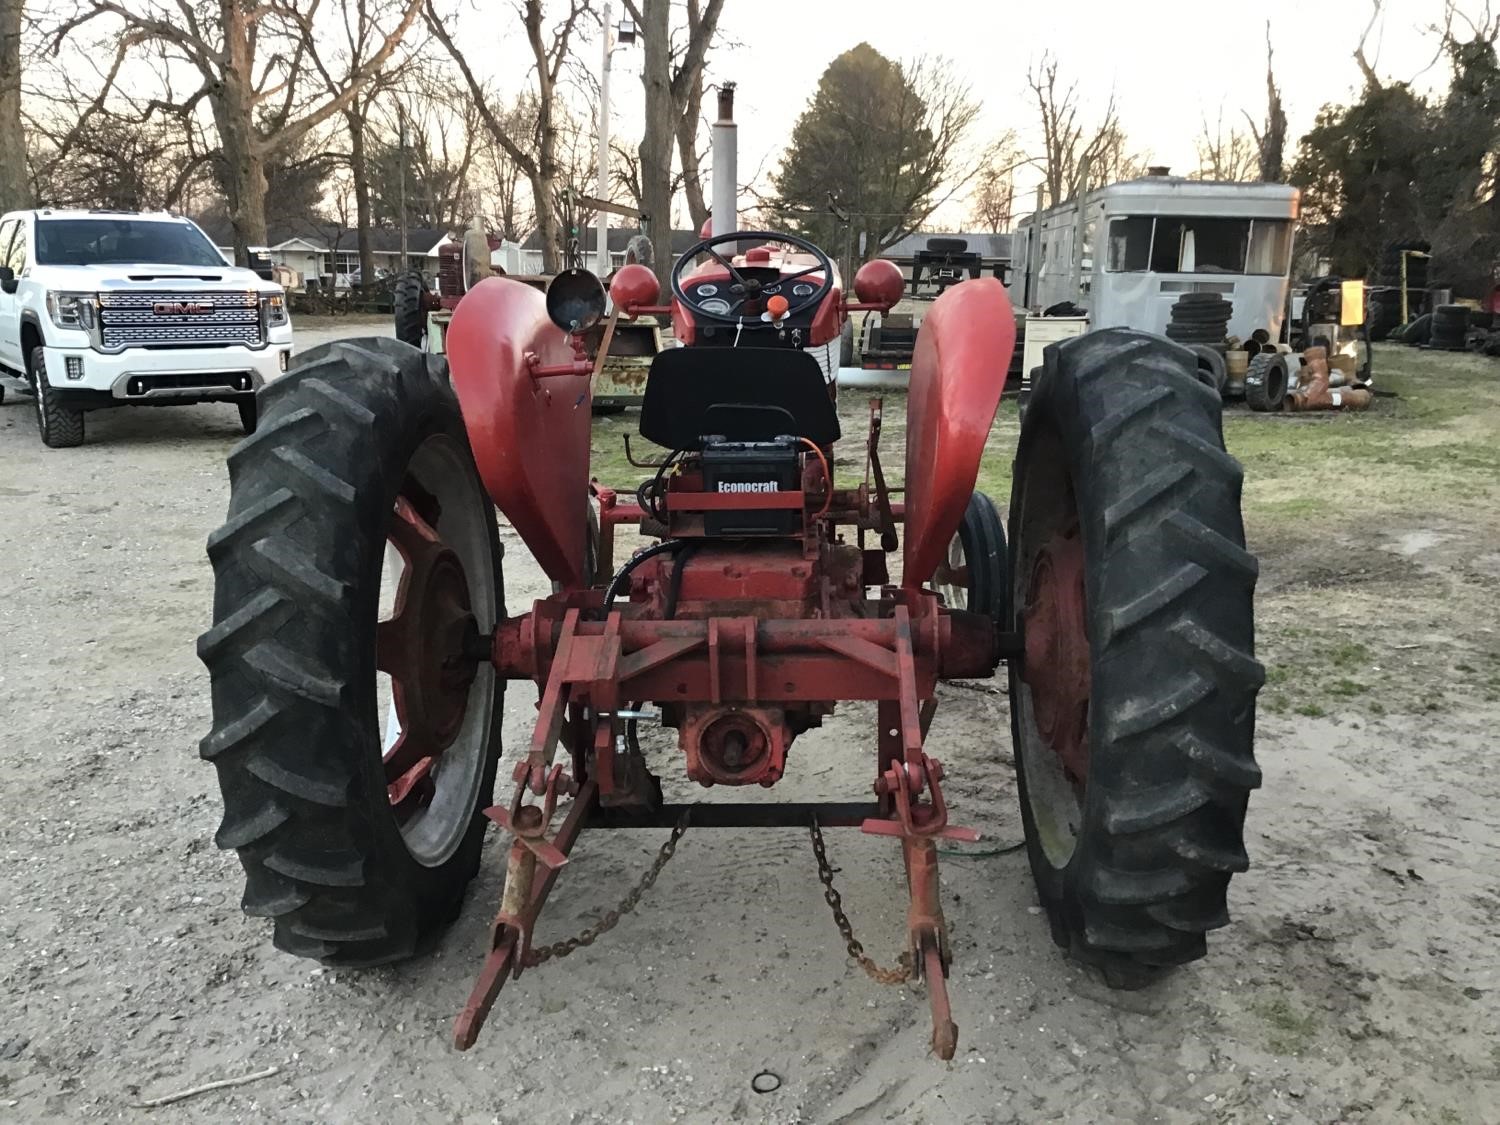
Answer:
(416, 647)
(1057, 651)
(530, 439)
(879, 283)
(634, 285)
(957, 374)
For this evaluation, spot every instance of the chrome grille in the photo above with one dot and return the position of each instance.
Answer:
(131, 319)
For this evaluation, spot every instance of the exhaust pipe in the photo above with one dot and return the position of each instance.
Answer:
(726, 188)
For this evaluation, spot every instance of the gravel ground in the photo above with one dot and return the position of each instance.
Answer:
(1359, 981)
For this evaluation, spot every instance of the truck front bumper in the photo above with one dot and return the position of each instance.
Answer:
(86, 379)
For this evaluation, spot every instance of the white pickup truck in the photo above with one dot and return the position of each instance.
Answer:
(104, 308)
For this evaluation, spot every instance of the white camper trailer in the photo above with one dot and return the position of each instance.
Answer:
(1136, 247)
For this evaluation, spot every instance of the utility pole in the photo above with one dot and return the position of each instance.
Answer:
(401, 177)
(601, 246)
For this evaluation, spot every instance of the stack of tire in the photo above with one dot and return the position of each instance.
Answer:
(1383, 312)
(1450, 328)
(1416, 268)
(1200, 322)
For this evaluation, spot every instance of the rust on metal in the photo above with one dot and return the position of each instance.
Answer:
(1057, 665)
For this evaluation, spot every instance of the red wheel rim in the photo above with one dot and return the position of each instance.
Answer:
(1057, 667)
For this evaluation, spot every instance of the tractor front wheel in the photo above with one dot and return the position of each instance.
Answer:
(1133, 712)
(358, 845)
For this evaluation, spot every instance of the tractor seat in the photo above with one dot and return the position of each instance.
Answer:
(743, 394)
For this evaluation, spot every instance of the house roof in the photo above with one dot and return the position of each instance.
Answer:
(323, 235)
(983, 243)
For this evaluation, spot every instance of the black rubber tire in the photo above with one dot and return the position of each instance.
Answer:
(57, 426)
(1418, 332)
(411, 318)
(1212, 367)
(1187, 335)
(871, 342)
(846, 344)
(291, 653)
(948, 245)
(1266, 382)
(249, 414)
(982, 536)
(1121, 421)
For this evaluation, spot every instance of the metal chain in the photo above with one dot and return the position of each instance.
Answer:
(541, 955)
(898, 975)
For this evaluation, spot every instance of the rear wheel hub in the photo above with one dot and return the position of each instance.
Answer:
(1057, 651)
(425, 647)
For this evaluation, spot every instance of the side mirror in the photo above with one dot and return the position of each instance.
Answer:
(575, 301)
(8, 281)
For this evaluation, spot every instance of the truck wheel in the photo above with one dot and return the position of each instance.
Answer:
(249, 414)
(846, 344)
(411, 317)
(59, 427)
(974, 575)
(1133, 712)
(358, 851)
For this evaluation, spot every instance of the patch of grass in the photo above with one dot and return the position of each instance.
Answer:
(1289, 1032)
(1311, 710)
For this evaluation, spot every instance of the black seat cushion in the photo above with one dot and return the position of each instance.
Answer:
(743, 394)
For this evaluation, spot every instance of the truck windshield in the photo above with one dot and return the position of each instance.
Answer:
(1199, 244)
(92, 242)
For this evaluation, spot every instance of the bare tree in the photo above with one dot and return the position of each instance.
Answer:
(250, 59)
(15, 188)
(357, 37)
(1069, 145)
(672, 75)
(1270, 139)
(535, 151)
(1231, 156)
(993, 202)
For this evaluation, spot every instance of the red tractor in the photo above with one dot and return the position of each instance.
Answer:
(768, 593)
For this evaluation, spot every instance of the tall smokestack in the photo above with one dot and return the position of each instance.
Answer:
(726, 188)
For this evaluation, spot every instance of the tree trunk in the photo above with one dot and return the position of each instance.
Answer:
(245, 174)
(657, 140)
(548, 229)
(355, 118)
(15, 187)
(687, 152)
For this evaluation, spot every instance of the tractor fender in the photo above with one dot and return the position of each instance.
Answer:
(529, 433)
(957, 374)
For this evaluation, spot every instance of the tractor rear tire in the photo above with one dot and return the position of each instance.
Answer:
(411, 317)
(1123, 449)
(292, 651)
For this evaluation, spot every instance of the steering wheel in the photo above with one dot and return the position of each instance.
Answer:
(742, 288)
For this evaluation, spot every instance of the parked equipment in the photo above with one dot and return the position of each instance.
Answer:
(1121, 602)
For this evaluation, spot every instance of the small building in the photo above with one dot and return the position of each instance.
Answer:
(327, 251)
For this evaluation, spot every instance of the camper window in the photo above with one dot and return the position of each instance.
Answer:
(1129, 244)
(1270, 246)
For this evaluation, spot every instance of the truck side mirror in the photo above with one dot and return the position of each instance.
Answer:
(8, 281)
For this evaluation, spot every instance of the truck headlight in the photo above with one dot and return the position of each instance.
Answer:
(275, 306)
(72, 310)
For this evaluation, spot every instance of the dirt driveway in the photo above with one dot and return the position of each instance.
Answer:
(1358, 981)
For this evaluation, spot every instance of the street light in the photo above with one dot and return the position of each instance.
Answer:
(624, 35)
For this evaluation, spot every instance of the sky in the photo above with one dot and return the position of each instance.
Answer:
(1169, 63)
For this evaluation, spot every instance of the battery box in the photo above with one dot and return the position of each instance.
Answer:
(752, 467)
